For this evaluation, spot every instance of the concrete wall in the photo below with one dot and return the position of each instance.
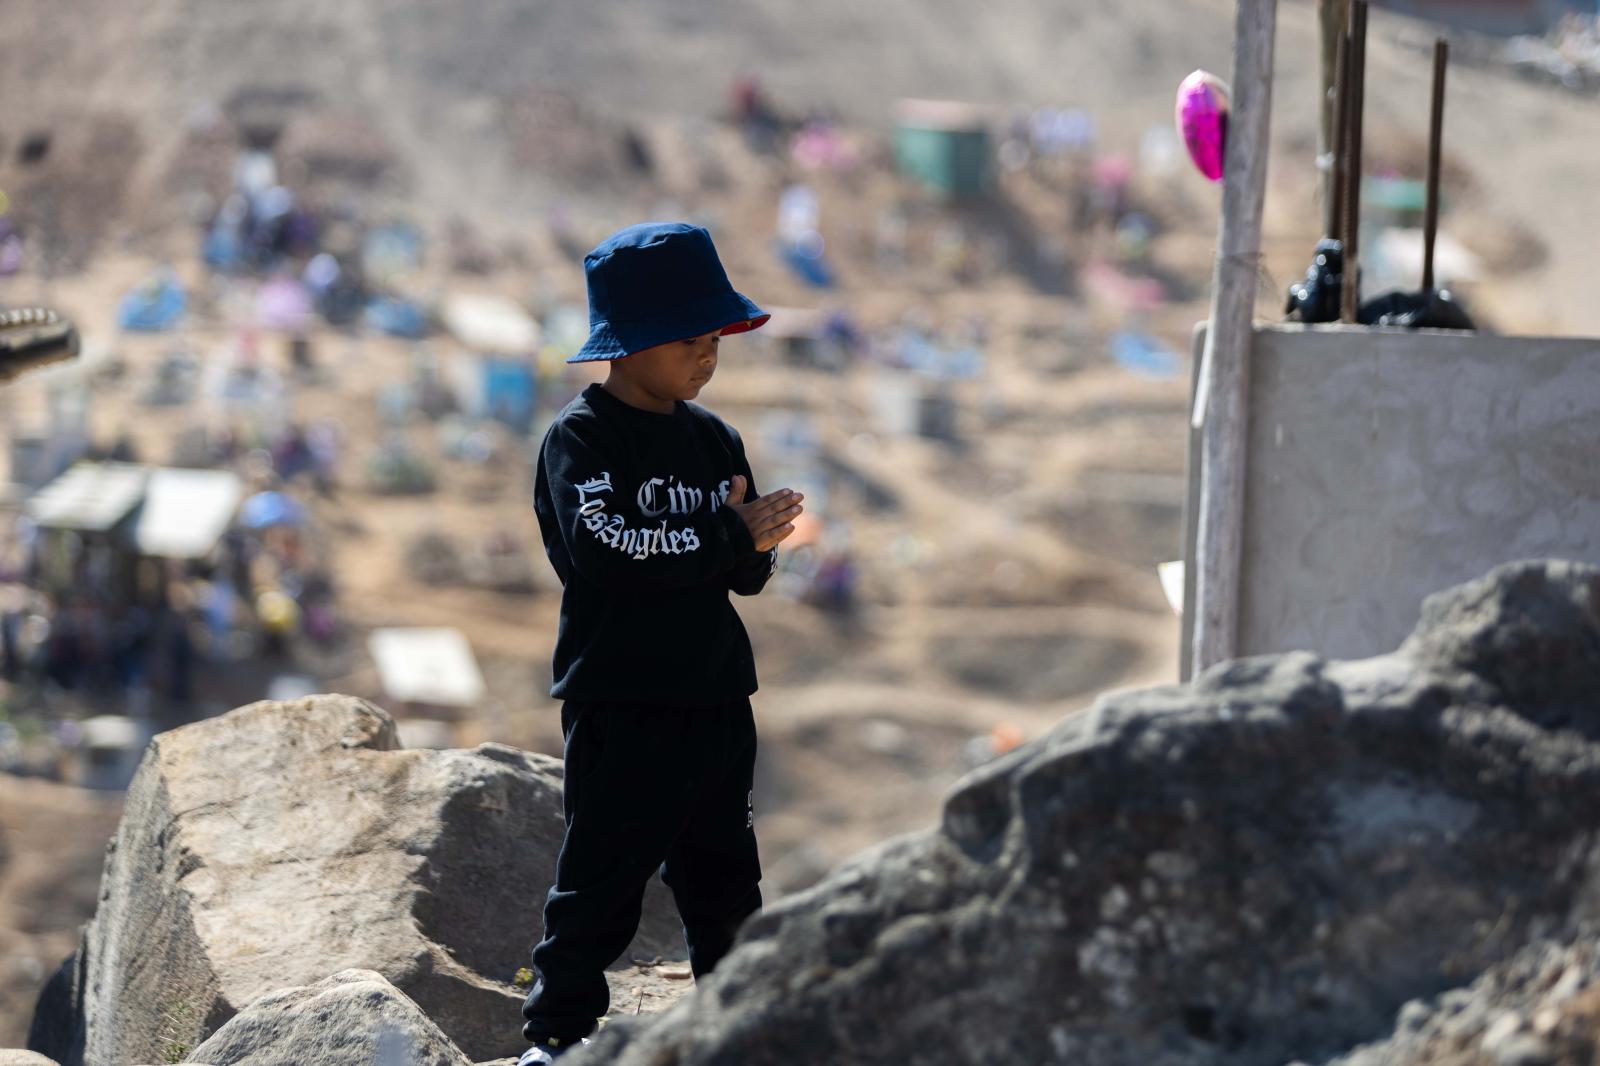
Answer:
(1386, 465)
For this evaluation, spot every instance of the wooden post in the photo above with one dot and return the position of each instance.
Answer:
(1335, 214)
(1332, 15)
(1221, 403)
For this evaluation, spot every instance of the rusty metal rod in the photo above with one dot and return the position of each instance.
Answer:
(1332, 17)
(1352, 211)
(1430, 226)
(1341, 91)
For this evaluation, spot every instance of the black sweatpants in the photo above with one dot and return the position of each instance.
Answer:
(645, 787)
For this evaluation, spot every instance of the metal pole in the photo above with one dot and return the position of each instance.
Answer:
(1221, 402)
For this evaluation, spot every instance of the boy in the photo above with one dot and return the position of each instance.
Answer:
(649, 516)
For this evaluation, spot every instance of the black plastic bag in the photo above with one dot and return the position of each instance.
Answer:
(1434, 309)
(1316, 299)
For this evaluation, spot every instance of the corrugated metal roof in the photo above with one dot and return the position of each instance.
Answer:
(186, 512)
(91, 497)
(426, 665)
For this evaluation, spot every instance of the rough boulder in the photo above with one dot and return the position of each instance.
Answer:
(283, 842)
(354, 1018)
(17, 1057)
(1264, 867)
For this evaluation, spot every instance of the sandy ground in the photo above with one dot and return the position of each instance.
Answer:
(52, 847)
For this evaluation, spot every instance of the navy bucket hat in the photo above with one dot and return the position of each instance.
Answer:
(659, 282)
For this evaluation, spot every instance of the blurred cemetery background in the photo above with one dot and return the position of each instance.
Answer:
(326, 264)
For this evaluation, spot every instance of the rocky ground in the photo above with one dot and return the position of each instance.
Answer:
(1166, 879)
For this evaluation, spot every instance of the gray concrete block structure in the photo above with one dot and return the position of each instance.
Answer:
(1386, 465)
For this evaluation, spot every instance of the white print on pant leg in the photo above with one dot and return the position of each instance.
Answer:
(657, 496)
(750, 810)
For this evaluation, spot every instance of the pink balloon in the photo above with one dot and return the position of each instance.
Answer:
(1202, 115)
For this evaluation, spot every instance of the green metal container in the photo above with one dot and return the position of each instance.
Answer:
(944, 147)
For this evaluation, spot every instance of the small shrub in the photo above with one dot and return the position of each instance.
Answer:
(175, 1037)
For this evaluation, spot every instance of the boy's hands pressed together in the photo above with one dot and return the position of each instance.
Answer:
(769, 518)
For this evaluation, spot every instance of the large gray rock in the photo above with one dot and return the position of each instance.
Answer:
(281, 842)
(1538, 1008)
(17, 1057)
(1259, 868)
(354, 1018)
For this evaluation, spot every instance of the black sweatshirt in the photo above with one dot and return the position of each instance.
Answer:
(630, 507)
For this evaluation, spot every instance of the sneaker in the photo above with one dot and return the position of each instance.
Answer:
(548, 1051)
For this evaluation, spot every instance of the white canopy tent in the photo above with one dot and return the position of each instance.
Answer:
(186, 512)
(181, 514)
(89, 497)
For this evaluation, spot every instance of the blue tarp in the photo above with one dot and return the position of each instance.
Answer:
(271, 509)
(509, 392)
(224, 247)
(155, 305)
(1144, 354)
(397, 317)
(807, 265)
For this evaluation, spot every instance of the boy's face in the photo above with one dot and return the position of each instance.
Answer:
(677, 370)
